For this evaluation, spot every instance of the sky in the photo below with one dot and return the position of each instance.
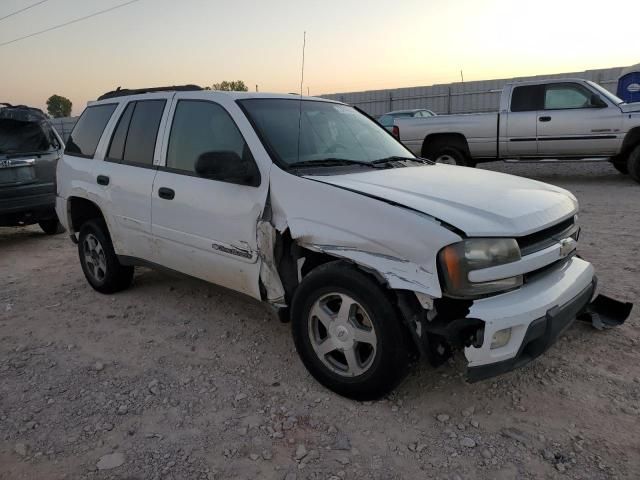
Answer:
(352, 45)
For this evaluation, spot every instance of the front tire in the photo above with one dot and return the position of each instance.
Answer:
(633, 164)
(348, 333)
(99, 262)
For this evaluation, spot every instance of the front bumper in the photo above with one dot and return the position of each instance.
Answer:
(539, 336)
(518, 309)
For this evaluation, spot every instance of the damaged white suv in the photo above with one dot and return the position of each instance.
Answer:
(377, 257)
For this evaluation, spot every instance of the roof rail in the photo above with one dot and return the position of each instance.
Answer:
(123, 92)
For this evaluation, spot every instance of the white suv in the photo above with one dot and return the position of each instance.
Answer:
(377, 257)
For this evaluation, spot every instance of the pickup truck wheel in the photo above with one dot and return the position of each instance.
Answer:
(347, 332)
(451, 156)
(633, 164)
(99, 261)
(621, 167)
(51, 227)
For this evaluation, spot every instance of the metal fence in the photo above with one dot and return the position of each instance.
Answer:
(64, 126)
(458, 97)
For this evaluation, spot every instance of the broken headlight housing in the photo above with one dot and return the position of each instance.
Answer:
(457, 260)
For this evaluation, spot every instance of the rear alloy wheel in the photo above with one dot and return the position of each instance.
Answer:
(99, 262)
(633, 164)
(51, 227)
(348, 333)
(450, 156)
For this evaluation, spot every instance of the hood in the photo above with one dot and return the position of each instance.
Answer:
(630, 107)
(478, 202)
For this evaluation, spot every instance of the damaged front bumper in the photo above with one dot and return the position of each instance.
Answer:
(536, 315)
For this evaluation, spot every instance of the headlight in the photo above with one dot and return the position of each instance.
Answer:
(457, 260)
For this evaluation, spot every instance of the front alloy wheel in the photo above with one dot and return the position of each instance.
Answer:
(342, 334)
(348, 332)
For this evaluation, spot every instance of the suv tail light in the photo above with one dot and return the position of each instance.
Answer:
(395, 131)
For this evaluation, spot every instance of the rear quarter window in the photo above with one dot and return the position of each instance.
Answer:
(527, 98)
(84, 138)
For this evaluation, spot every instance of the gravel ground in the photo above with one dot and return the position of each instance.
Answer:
(178, 379)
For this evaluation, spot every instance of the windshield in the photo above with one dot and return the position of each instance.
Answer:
(24, 132)
(606, 93)
(326, 131)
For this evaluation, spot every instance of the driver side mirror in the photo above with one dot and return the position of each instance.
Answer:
(597, 102)
(228, 166)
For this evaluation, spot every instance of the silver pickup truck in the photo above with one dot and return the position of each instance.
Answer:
(568, 119)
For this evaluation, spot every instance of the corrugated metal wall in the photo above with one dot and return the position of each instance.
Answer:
(64, 125)
(467, 97)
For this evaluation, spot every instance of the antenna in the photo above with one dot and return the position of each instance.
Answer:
(304, 44)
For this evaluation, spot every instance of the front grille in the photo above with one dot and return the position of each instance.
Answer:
(537, 241)
(533, 275)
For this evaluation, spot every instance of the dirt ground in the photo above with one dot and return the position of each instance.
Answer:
(178, 379)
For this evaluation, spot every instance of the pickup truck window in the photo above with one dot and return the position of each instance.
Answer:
(527, 98)
(199, 127)
(566, 95)
(85, 136)
(306, 130)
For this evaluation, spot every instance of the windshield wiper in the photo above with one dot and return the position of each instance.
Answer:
(331, 162)
(396, 158)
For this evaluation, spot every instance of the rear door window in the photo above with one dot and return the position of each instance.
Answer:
(143, 131)
(527, 98)
(84, 138)
(116, 149)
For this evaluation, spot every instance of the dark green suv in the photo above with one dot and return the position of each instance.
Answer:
(29, 150)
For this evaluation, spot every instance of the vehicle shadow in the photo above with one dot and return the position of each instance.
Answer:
(10, 236)
(587, 174)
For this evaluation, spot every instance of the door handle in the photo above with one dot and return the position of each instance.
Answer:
(545, 119)
(102, 180)
(166, 193)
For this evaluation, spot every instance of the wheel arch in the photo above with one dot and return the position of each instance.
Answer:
(434, 141)
(80, 210)
(631, 140)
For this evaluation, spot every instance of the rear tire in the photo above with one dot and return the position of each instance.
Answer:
(51, 227)
(99, 262)
(348, 333)
(633, 164)
(621, 166)
(448, 153)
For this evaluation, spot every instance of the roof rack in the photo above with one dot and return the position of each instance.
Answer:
(123, 92)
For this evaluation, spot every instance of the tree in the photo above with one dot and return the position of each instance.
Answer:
(58, 106)
(232, 86)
